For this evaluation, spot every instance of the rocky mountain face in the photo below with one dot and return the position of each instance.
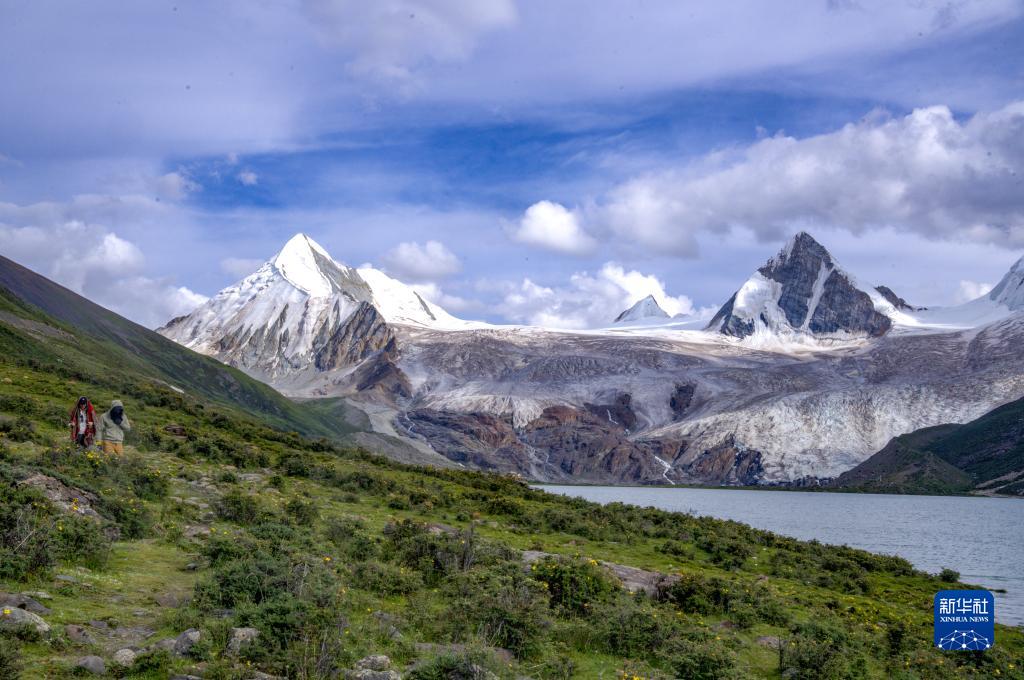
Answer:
(302, 314)
(647, 308)
(801, 291)
(896, 301)
(1010, 290)
(722, 406)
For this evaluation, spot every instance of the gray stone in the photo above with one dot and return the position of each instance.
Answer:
(14, 619)
(65, 578)
(367, 674)
(78, 634)
(170, 600)
(377, 662)
(125, 658)
(13, 601)
(769, 641)
(93, 664)
(240, 638)
(38, 594)
(184, 643)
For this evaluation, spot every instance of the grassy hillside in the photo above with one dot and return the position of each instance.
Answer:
(985, 455)
(214, 521)
(78, 336)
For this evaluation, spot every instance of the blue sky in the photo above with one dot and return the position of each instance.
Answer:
(516, 161)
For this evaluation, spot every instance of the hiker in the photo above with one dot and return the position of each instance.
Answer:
(83, 423)
(113, 424)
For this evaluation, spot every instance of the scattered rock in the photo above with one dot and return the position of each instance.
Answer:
(125, 658)
(184, 643)
(258, 675)
(185, 677)
(194, 530)
(38, 594)
(65, 578)
(170, 599)
(175, 430)
(240, 637)
(377, 662)
(78, 634)
(101, 625)
(12, 601)
(769, 641)
(250, 477)
(438, 528)
(13, 619)
(192, 566)
(724, 625)
(92, 664)
(66, 498)
(367, 674)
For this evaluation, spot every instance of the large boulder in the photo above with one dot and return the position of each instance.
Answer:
(12, 618)
(241, 638)
(184, 643)
(125, 658)
(14, 601)
(92, 664)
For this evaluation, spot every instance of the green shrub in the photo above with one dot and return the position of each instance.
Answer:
(385, 579)
(631, 628)
(949, 576)
(239, 507)
(11, 664)
(574, 585)
(453, 666)
(501, 605)
(301, 512)
(695, 594)
(81, 541)
(703, 659)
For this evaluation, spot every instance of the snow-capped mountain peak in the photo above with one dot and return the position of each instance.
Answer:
(1010, 291)
(647, 308)
(302, 310)
(307, 266)
(802, 291)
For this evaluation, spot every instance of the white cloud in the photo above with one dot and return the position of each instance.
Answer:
(411, 261)
(175, 185)
(551, 226)
(587, 300)
(971, 290)
(248, 178)
(387, 39)
(240, 266)
(926, 173)
(90, 259)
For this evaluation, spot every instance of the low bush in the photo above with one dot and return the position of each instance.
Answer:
(501, 605)
(11, 663)
(574, 585)
(385, 579)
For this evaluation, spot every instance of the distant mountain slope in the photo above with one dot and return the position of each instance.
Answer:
(648, 308)
(45, 321)
(802, 291)
(985, 455)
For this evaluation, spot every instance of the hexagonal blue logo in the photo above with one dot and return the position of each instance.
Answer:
(965, 620)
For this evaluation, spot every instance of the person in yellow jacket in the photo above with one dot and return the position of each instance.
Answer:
(112, 426)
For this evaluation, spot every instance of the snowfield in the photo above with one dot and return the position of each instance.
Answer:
(785, 401)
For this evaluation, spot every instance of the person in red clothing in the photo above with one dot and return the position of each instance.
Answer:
(83, 423)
